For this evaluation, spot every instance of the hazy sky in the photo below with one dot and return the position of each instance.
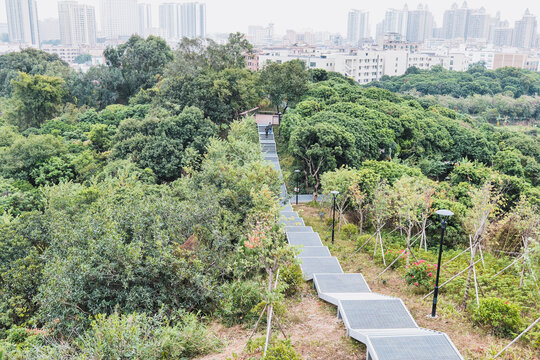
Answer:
(317, 15)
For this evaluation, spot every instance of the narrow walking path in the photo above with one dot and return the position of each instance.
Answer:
(381, 322)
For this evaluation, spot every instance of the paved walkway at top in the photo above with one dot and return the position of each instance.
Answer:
(383, 323)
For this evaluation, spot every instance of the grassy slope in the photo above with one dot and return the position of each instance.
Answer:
(473, 342)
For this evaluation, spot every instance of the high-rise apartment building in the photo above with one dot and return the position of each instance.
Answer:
(22, 18)
(419, 24)
(145, 19)
(455, 22)
(478, 26)
(169, 20)
(263, 35)
(524, 35)
(77, 23)
(182, 20)
(193, 20)
(357, 26)
(119, 18)
(394, 22)
(502, 36)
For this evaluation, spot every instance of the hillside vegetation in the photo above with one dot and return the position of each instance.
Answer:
(136, 213)
(505, 95)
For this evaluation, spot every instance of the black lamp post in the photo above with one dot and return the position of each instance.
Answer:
(334, 194)
(444, 215)
(297, 188)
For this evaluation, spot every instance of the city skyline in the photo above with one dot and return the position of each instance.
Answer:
(314, 18)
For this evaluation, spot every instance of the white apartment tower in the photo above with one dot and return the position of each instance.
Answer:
(119, 18)
(524, 35)
(22, 21)
(193, 20)
(395, 21)
(260, 35)
(455, 22)
(77, 23)
(357, 26)
(169, 20)
(479, 24)
(145, 19)
(419, 24)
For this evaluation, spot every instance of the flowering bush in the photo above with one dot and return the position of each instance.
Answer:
(421, 275)
(391, 256)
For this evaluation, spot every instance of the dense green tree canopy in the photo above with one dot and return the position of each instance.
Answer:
(29, 61)
(162, 141)
(35, 98)
(140, 62)
(475, 81)
(284, 84)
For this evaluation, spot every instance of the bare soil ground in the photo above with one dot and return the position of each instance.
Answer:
(312, 325)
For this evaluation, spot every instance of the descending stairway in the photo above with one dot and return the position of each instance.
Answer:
(381, 322)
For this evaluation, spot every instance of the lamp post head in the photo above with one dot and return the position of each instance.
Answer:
(334, 192)
(444, 215)
(444, 212)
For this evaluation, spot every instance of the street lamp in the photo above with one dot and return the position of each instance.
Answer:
(297, 188)
(334, 194)
(444, 215)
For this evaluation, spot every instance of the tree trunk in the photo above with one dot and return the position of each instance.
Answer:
(315, 188)
(361, 225)
(408, 245)
(469, 275)
(525, 246)
(269, 313)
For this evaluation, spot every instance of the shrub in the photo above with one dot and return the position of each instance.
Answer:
(421, 275)
(361, 240)
(188, 339)
(349, 230)
(145, 337)
(282, 350)
(498, 316)
(391, 255)
(240, 297)
(292, 277)
(277, 349)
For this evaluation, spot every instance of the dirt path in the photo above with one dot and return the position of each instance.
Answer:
(315, 332)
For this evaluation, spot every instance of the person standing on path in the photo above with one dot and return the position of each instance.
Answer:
(267, 130)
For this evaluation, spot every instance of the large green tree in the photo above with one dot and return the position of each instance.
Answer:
(30, 61)
(164, 142)
(35, 99)
(195, 55)
(140, 62)
(285, 84)
(319, 148)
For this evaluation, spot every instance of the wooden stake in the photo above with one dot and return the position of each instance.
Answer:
(280, 327)
(256, 324)
(517, 338)
(452, 278)
(512, 263)
(455, 257)
(364, 244)
(396, 259)
(474, 272)
(525, 245)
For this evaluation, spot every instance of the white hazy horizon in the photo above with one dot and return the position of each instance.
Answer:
(225, 16)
